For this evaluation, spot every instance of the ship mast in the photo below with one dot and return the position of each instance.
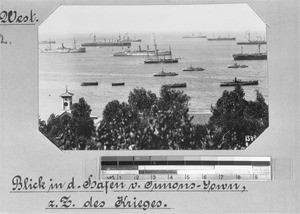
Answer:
(170, 51)
(148, 51)
(249, 36)
(155, 47)
(50, 44)
(74, 43)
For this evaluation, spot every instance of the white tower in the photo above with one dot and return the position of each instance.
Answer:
(66, 100)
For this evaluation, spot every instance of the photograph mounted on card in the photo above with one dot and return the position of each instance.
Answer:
(192, 81)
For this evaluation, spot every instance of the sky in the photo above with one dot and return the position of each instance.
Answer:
(68, 20)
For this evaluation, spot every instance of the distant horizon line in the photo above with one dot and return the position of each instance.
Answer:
(223, 33)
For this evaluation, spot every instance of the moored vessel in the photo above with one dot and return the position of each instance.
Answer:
(164, 74)
(107, 42)
(62, 49)
(235, 65)
(89, 83)
(239, 82)
(176, 85)
(77, 50)
(250, 56)
(141, 52)
(193, 36)
(161, 60)
(47, 42)
(49, 49)
(219, 38)
(191, 68)
(118, 84)
(253, 42)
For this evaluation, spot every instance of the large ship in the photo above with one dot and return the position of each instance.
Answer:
(222, 39)
(160, 60)
(64, 49)
(250, 56)
(141, 52)
(49, 48)
(193, 36)
(77, 50)
(107, 42)
(239, 82)
(128, 39)
(253, 42)
(47, 42)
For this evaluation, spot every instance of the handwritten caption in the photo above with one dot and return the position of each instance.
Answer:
(3, 41)
(14, 17)
(92, 185)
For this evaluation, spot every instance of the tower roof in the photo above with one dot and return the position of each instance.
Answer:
(66, 94)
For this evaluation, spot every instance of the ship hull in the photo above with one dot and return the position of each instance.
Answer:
(89, 83)
(195, 37)
(252, 43)
(143, 53)
(161, 61)
(78, 50)
(254, 82)
(249, 56)
(176, 85)
(118, 84)
(221, 39)
(105, 44)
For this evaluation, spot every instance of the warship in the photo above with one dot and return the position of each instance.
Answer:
(253, 42)
(250, 56)
(193, 36)
(239, 82)
(107, 42)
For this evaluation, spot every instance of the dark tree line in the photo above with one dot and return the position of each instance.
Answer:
(147, 121)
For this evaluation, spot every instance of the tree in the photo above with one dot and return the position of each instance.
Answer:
(142, 100)
(233, 118)
(117, 128)
(70, 130)
(82, 124)
(147, 122)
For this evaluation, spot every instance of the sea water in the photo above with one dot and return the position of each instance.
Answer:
(58, 70)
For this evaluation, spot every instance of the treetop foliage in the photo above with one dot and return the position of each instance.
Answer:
(151, 122)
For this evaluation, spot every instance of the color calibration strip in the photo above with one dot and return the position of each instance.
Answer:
(183, 168)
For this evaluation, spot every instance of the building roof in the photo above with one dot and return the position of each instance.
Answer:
(66, 94)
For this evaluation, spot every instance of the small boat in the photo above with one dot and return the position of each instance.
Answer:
(239, 82)
(163, 74)
(235, 65)
(191, 68)
(176, 85)
(118, 84)
(89, 83)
